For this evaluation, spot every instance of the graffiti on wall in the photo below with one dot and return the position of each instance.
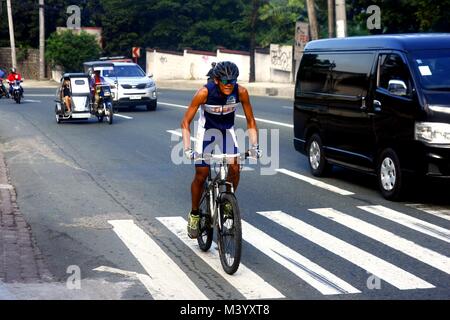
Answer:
(281, 57)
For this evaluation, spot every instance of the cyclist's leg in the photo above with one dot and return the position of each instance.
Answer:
(201, 173)
(234, 173)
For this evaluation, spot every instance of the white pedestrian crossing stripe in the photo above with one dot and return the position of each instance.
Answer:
(168, 280)
(410, 222)
(248, 283)
(382, 269)
(313, 274)
(410, 248)
(438, 211)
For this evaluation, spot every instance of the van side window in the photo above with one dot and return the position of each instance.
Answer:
(393, 75)
(337, 73)
(350, 74)
(313, 73)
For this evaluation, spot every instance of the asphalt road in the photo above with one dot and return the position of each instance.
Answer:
(99, 197)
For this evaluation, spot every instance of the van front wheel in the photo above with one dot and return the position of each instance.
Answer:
(390, 179)
(317, 162)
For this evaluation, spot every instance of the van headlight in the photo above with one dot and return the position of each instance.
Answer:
(432, 132)
(149, 85)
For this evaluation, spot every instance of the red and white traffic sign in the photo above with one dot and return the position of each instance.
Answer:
(136, 51)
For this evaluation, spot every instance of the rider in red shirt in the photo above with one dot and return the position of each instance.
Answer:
(13, 76)
(95, 80)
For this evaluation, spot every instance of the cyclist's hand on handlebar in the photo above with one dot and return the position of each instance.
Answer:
(255, 151)
(191, 154)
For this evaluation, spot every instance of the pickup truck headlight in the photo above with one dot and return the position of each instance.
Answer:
(432, 132)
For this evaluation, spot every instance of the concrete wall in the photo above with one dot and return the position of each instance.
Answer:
(262, 73)
(28, 66)
(198, 63)
(165, 65)
(194, 65)
(240, 58)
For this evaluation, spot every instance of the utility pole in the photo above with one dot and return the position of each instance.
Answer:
(341, 19)
(331, 19)
(312, 19)
(11, 33)
(41, 40)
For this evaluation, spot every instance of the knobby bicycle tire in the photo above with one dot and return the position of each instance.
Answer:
(205, 235)
(231, 233)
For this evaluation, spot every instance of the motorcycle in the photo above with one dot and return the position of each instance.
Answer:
(104, 107)
(16, 90)
(3, 91)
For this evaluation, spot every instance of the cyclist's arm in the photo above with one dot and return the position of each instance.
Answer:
(251, 123)
(199, 98)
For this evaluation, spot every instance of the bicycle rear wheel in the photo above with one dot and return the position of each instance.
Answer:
(205, 235)
(229, 237)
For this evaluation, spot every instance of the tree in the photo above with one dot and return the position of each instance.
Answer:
(70, 50)
(314, 28)
(277, 21)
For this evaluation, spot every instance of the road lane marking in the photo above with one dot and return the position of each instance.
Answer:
(169, 282)
(441, 212)
(410, 222)
(315, 182)
(282, 124)
(6, 186)
(39, 95)
(145, 279)
(33, 101)
(248, 283)
(316, 276)
(179, 134)
(122, 116)
(387, 238)
(380, 268)
(287, 107)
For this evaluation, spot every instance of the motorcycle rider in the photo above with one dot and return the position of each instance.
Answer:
(13, 76)
(210, 73)
(96, 80)
(3, 91)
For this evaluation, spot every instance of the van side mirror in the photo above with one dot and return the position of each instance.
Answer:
(397, 87)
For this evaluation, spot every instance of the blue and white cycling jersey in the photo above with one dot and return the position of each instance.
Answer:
(217, 116)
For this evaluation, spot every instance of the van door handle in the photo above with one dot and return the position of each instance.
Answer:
(376, 106)
(363, 104)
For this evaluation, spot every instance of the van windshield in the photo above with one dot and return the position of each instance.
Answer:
(128, 71)
(433, 67)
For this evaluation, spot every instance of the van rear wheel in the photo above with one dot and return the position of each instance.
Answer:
(389, 174)
(317, 162)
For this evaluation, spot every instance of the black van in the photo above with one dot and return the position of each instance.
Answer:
(377, 104)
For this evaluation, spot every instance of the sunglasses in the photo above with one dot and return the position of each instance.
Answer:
(228, 81)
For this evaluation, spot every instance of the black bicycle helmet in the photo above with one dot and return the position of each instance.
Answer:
(226, 70)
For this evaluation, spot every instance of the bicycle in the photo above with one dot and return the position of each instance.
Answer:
(218, 194)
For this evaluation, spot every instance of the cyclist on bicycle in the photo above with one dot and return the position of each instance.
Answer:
(218, 101)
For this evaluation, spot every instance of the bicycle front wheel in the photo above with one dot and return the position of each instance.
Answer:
(229, 236)
(205, 235)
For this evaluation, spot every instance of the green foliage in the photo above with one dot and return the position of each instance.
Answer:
(70, 50)
(402, 16)
(206, 24)
(278, 21)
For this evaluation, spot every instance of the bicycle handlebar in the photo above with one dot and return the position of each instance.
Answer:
(208, 156)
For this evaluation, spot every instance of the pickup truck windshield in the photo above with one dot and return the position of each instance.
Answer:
(433, 67)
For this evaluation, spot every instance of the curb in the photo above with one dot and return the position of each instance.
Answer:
(20, 258)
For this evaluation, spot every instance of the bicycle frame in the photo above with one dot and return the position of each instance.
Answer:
(216, 186)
